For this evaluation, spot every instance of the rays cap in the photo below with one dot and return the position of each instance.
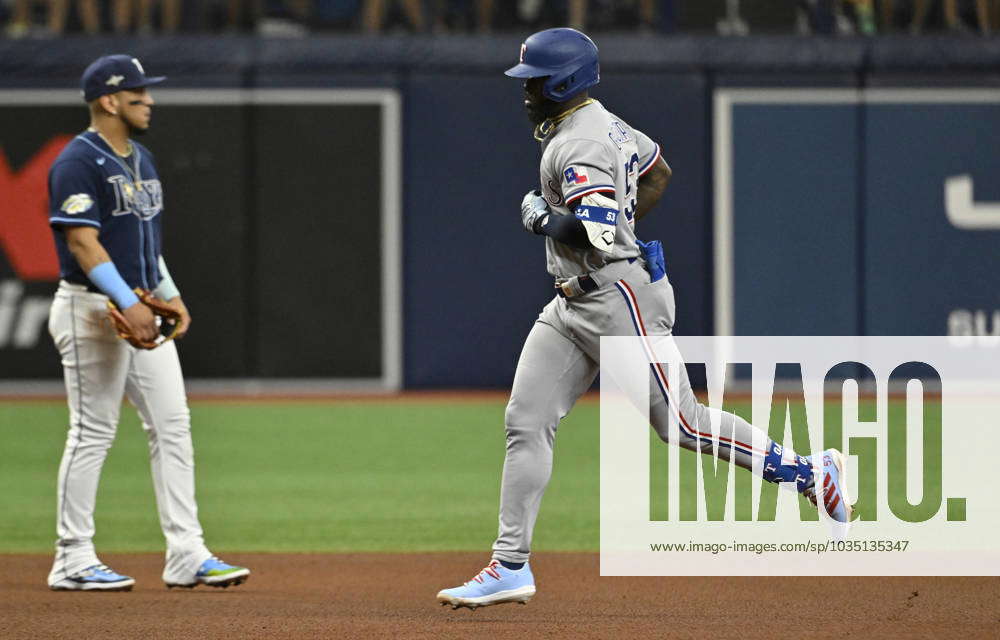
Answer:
(110, 74)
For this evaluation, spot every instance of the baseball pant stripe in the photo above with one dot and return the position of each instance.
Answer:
(78, 426)
(661, 379)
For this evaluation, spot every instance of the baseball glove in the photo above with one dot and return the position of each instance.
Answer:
(169, 320)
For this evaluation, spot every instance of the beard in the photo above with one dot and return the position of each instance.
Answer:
(539, 112)
(535, 116)
(134, 130)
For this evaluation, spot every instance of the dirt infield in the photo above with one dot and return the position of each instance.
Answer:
(392, 596)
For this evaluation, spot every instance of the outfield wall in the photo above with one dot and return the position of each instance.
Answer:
(810, 195)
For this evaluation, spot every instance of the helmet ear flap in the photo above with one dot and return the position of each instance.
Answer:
(559, 86)
(566, 83)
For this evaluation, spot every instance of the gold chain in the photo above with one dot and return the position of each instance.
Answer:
(546, 127)
(128, 149)
(136, 178)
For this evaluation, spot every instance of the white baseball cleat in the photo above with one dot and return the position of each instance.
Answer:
(496, 584)
(832, 481)
(216, 573)
(99, 577)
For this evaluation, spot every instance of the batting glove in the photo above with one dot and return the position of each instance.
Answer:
(533, 210)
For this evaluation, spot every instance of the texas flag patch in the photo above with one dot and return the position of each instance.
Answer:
(576, 176)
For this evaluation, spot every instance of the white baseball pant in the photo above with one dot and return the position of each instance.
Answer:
(99, 368)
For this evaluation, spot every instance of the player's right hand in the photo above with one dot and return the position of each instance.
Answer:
(142, 321)
(533, 207)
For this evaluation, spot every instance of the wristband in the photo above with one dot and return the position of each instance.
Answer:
(166, 290)
(106, 277)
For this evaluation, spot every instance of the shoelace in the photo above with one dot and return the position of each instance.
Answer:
(490, 570)
(810, 495)
(97, 568)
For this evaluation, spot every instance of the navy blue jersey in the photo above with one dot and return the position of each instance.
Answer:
(91, 185)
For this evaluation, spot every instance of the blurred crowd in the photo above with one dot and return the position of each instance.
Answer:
(291, 18)
(872, 16)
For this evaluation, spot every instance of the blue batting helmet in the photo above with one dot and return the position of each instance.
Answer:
(566, 56)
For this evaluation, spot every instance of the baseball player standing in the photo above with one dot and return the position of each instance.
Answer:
(598, 177)
(106, 210)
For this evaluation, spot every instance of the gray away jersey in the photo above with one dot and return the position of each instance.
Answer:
(590, 168)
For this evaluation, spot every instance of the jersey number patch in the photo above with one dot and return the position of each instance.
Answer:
(631, 175)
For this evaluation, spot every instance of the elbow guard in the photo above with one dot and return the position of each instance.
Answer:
(599, 215)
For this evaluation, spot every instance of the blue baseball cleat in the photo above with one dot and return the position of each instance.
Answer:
(216, 573)
(495, 584)
(99, 577)
(836, 501)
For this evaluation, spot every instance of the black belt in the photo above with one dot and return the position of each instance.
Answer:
(88, 284)
(91, 287)
(586, 283)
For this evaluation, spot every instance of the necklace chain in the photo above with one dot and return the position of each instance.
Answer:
(546, 127)
(128, 148)
(136, 178)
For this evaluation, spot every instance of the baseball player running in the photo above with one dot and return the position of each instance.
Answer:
(598, 177)
(106, 210)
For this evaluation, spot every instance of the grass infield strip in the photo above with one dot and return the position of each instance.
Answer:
(355, 476)
(335, 476)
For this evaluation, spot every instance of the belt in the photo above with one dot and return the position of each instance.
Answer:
(586, 284)
(66, 285)
(73, 286)
(76, 286)
(581, 285)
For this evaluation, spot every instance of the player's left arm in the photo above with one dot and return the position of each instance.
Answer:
(651, 186)
(168, 292)
(582, 167)
(536, 217)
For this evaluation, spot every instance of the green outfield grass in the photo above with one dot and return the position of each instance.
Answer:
(308, 477)
(340, 476)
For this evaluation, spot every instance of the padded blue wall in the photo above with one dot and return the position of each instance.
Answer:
(795, 212)
(475, 281)
(839, 223)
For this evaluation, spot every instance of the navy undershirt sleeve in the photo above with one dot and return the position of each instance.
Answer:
(566, 229)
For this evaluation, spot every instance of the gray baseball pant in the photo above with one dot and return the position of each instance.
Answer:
(560, 361)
